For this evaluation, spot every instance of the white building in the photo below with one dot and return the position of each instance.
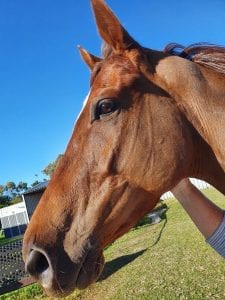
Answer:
(14, 219)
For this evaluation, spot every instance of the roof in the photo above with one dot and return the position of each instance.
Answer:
(37, 188)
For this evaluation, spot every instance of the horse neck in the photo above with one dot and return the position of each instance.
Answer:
(199, 95)
(206, 165)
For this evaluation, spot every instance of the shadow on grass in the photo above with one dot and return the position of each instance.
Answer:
(114, 265)
(164, 217)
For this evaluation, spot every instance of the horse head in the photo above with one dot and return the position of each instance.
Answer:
(130, 144)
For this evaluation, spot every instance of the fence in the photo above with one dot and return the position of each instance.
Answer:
(12, 272)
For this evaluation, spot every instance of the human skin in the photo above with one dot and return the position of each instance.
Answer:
(204, 213)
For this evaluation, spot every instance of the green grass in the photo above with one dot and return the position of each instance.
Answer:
(179, 266)
(2, 236)
(4, 240)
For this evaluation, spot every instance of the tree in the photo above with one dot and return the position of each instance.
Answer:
(2, 189)
(4, 201)
(22, 186)
(10, 193)
(35, 183)
(16, 199)
(50, 168)
(10, 185)
(10, 189)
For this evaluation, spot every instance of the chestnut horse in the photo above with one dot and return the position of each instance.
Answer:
(150, 119)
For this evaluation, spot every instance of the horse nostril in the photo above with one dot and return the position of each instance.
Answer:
(37, 263)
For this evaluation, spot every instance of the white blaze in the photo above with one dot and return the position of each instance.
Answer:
(83, 106)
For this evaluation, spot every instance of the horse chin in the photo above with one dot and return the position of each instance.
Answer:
(89, 273)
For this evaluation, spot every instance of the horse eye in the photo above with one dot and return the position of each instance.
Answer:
(106, 107)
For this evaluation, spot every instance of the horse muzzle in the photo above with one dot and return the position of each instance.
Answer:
(59, 275)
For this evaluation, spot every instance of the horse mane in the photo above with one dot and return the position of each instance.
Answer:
(209, 55)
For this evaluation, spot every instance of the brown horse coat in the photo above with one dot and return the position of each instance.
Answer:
(150, 119)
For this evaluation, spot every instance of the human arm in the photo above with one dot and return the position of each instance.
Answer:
(208, 217)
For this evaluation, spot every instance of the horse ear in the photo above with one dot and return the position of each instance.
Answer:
(89, 58)
(110, 28)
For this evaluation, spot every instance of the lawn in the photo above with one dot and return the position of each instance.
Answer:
(2, 236)
(4, 240)
(169, 260)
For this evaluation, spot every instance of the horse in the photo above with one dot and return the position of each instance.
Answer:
(150, 119)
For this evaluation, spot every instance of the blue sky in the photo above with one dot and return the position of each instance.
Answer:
(43, 81)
